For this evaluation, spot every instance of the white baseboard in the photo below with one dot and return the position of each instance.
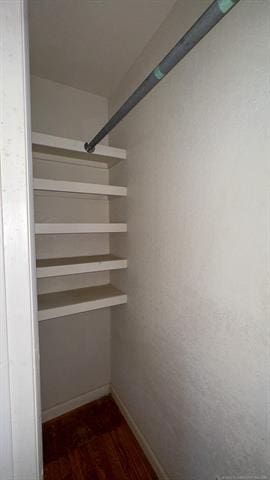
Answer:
(139, 436)
(62, 408)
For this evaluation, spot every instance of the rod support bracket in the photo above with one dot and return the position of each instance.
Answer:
(88, 148)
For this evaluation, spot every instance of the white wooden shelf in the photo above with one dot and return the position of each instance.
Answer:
(65, 147)
(53, 267)
(78, 187)
(59, 228)
(70, 302)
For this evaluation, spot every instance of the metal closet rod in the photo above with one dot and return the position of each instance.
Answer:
(214, 13)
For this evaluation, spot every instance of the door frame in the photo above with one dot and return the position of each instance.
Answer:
(20, 412)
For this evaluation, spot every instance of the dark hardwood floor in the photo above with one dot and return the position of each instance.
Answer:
(93, 442)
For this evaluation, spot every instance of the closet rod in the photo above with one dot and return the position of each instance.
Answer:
(214, 13)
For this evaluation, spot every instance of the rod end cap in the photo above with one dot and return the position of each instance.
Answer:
(88, 148)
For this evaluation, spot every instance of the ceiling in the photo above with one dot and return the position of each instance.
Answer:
(91, 44)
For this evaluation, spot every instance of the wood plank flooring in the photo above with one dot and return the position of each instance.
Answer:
(93, 442)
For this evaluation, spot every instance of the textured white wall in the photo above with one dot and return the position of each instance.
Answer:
(74, 350)
(190, 349)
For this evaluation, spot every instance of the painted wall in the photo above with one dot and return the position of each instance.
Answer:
(189, 351)
(66, 112)
(75, 350)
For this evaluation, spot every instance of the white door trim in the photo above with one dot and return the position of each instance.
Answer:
(20, 439)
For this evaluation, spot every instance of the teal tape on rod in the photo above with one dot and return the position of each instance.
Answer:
(225, 5)
(158, 73)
